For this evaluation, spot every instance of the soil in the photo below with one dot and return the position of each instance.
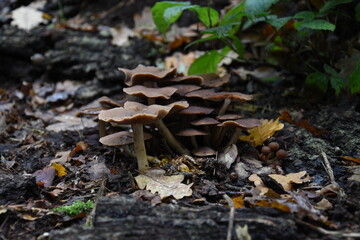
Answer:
(90, 60)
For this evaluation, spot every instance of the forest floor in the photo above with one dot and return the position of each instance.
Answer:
(39, 127)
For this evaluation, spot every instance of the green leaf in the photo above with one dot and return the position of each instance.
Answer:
(354, 79)
(235, 14)
(163, 17)
(208, 16)
(357, 12)
(212, 37)
(330, 70)
(239, 47)
(278, 23)
(258, 6)
(318, 79)
(318, 24)
(331, 4)
(337, 83)
(208, 63)
(220, 31)
(305, 15)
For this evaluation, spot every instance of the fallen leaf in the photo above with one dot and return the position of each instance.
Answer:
(356, 160)
(27, 18)
(60, 170)
(285, 116)
(273, 203)
(121, 35)
(45, 176)
(238, 202)
(98, 170)
(287, 180)
(155, 181)
(70, 123)
(228, 156)
(259, 184)
(324, 204)
(259, 134)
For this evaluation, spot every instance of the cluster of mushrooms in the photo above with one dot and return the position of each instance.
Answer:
(185, 110)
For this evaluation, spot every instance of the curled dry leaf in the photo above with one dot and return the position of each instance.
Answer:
(228, 156)
(287, 180)
(259, 134)
(154, 180)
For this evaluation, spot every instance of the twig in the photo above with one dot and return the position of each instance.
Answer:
(90, 218)
(231, 217)
(330, 172)
(331, 233)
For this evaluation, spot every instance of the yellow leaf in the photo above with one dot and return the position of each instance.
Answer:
(238, 202)
(259, 134)
(60, 170)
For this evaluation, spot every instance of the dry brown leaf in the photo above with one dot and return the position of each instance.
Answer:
(228, 156)
(155, 181)
(45, 176)
(287, 180)
(303, 123)
(70, 123)
(273, 203)
(259, 134)
(259, 184)
(356, 160)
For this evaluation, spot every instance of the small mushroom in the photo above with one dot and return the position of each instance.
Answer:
(229, 117)
(227, 97)
(205, 122)
(192, 133)
(183, 89)
(212, 80)
(196, 110)
(239, 125)
(150, 93)
(95, 112)
(204, 151)
(142, 74)
(137, 115)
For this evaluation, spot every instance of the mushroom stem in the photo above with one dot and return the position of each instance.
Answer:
(216, 135)
(234, 137)
(225, 106)
(169, 137)
(139, 146)
(194, 142)
(102, 128)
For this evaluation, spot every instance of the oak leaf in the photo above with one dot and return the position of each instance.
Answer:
(154, 180)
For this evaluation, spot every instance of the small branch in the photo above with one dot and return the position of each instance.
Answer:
(231, 216)
(330, 172)
(90, 218)
(330, 233)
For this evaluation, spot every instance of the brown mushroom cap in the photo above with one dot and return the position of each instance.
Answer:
(241, 123)
(121, 138)
(134, 112)
(204, 152)
(142, 74)
(190, 79)
(183, 89)
(106, 101)
(194, 110)
(229, 117)
(212, 80)
(191, 132)
(211, 95)
(142, 91)
(205, 121)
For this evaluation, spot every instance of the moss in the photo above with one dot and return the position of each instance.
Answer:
(76, 208)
